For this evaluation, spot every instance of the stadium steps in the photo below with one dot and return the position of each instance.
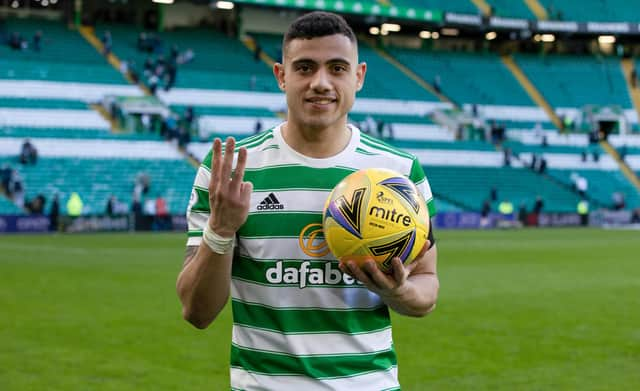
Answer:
(251, 45)
(533, 92)
(624, 167)
(483, 6)
(408, 72)
(89, 34)
(105, 114)
(627, 65)
(537, 9)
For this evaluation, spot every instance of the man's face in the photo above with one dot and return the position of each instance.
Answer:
(320, 77)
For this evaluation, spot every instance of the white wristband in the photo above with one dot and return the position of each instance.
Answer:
(217, 243)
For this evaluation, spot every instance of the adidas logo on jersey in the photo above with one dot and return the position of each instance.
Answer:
(270, 203)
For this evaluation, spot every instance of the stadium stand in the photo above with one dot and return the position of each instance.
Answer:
(464, 77)
(207, 69)
(64, 55)
(511, 9)
(575, 81)
(470, 186)
(49, 96)
(463, 6)
(98, 168)
(605, 10)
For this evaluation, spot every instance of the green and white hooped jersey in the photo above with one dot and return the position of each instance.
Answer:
(298, 322)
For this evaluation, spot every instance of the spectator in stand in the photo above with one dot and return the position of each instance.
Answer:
(133, 71)
(28, 153)
(507, 157)
(257, 128)
(544, 143)
(583, 211)
(537, 131)
(153, 83)
(542, 167)
(184, 135)
(380, 128)
(493, 131)
(141, 186)
(162, 219)
(147, 70)
(493, 194)
(390, 131)
(36, 205)
(505, 207)
(436, 84)
(188, 117)
(174, 53)
(16, 42)
(623, 152)
(635, 216)
(538, 205)
(171, 127)
(582, 185)
(369, 124)
(107, 43)
(111, 206)
(142, 42)
(618, 200)
(37, 40)
(484, 214)
(6, 178)
(136, 211)
(74, 205)
(17, 189)
(170, 75)
(54, 213)
(257, 51)
(253, 82)
(186, 57)
(522, 214)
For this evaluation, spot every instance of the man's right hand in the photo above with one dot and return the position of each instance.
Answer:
(229, 197)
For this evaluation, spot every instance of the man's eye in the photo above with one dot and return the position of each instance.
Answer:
(304, 68)
(339, 68)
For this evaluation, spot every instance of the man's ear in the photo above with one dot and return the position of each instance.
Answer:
(360, 73)
(278, 72)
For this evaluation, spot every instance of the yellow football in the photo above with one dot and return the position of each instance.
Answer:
(376, 214)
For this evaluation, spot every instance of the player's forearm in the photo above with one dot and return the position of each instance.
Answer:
(203, 286)
(417, 297)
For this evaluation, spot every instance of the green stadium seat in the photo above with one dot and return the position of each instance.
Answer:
(576, 81)
(470, 186)
(96, 179)
(465, 77)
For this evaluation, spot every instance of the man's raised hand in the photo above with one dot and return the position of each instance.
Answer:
(229, 195)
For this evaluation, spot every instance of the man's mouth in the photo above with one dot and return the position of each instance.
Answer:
(321, 101)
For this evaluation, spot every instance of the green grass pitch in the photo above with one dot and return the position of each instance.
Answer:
(518, 310)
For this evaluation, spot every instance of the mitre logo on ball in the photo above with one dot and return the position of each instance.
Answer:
(376, 214)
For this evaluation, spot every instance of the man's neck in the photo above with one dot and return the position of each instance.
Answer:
(317, 144)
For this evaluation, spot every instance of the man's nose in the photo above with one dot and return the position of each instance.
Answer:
(321, 81)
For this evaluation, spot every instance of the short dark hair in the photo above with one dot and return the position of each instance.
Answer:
(318, 24)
